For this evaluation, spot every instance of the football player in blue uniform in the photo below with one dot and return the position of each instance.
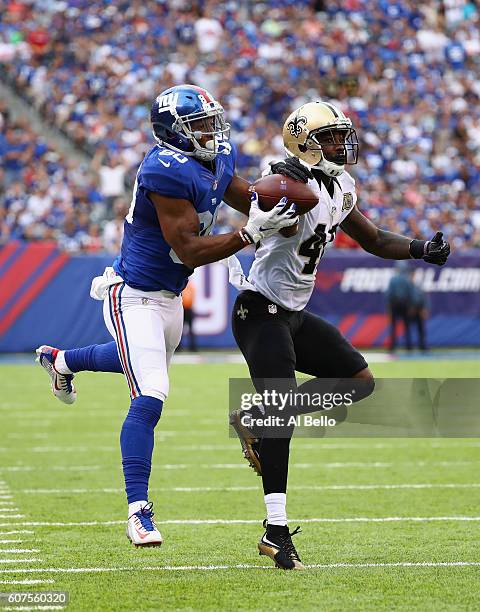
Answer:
(178, 189)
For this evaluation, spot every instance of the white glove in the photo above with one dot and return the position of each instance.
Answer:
(236, 275)
(262, 224)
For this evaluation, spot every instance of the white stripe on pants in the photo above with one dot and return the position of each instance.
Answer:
(147, 327)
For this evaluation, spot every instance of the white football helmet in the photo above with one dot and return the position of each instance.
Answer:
(321, 135)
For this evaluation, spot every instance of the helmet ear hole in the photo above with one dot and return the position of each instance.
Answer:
(302, 148)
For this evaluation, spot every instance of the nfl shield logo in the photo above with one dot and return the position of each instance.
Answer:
(272, 308)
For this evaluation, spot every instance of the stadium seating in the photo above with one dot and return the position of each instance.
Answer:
(405, 71)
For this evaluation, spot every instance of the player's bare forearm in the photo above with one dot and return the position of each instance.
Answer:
(238, 195)
(180, 226)
(200, 250)
(375, 240)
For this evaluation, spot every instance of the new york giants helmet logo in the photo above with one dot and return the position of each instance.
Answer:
(167, 102)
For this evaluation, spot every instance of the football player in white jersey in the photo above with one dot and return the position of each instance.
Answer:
(274, 332)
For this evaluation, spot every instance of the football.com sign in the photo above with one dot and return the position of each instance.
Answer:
(368, 280)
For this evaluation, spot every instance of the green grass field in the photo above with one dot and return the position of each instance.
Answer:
(62, 506)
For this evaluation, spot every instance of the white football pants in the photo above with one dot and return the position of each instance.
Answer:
(147, 327)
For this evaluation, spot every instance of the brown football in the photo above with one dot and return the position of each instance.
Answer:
(273, 187)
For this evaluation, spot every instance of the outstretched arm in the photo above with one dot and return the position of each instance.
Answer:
(394, 246)
(375, 240)
(181, 228)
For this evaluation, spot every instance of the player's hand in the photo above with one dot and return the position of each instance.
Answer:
(236, 275)
(293, 168)
(262, 224)
(436, 250)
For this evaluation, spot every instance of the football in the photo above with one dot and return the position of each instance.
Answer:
(273, 187)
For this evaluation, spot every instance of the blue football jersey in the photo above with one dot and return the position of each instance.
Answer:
(147, 261)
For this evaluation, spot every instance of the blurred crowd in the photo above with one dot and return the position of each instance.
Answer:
(405, 71)
(43, 197)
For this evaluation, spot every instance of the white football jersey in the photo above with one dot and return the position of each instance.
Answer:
(284, 268)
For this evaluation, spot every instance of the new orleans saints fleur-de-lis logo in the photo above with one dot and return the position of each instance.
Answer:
(242, 312)
(295, 125)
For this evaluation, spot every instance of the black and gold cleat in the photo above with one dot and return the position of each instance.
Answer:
(277, 544)
(248, 441)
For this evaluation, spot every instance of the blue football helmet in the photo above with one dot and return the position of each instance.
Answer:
(185, 114)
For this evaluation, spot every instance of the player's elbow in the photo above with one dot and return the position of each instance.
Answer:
(187, 257)
(190, 262)
(184, 251)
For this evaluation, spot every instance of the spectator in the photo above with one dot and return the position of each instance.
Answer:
(188, 299)
(111, 172)
(400, 292)
(113, 230)
(209, 32)
(419, 312)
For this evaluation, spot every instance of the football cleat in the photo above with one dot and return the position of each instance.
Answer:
(277, 544)
(141, 530)
(248, 441)
(62, 384)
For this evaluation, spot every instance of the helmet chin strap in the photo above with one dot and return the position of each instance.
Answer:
(223, 147)
(324, 165)
(211, 149)
(330, 168)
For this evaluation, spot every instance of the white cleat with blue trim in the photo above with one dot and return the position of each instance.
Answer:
(62, 385)
(141, 529)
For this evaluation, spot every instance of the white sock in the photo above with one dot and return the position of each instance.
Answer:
(136, 506)
(61, 364)
(276, 508)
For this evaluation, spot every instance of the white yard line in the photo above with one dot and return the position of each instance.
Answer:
(39, 607)
(7, 552)
(220, 521)
(242, 466)
(301, 443)
(341, 487)
(12, 516)
(37, 435)
(57, 468)
(212, 447)
(33, 560)
(81, 570)
(70, 449)
(29, 581)
(18, 551)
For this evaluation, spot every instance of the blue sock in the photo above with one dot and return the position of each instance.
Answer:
(94, 358)
(136, 442)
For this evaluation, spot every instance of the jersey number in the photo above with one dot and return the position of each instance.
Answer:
(175, 154)
(207, 221)
(314, 247)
